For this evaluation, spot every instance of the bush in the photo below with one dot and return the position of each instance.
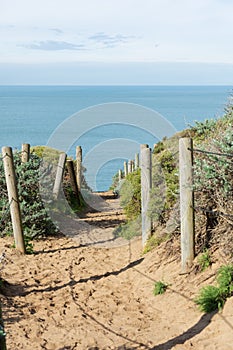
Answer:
(154, 241)
(204, 260)
(129, 230)
(202, 129)
(213, 184)
(165, 187)
(130, 195)
(225, 279)
(160, 288)
(35, 219)
(212, 298)
(130, 200)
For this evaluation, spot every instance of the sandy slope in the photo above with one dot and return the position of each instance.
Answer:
(74, 295)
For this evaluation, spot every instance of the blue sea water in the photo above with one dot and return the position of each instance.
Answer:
(31, 114)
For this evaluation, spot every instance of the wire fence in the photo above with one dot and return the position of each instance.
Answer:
(215, 213)
(196, 150)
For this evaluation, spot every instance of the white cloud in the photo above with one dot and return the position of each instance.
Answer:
(51, 45)
(123, 30)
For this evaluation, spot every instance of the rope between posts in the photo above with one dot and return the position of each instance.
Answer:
(5, 155)
(210, 152)
(205, 210)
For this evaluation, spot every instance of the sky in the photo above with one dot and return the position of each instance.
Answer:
(158, 42)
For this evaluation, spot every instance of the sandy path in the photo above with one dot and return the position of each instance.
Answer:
(72, 295)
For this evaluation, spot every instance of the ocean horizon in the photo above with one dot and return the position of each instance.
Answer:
(32, 113)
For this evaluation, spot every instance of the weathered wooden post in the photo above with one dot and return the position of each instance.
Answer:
(186, 202)
(125, 169)
(79, 166)
(136, 164)
(146, 180)
(59, 175)
(25, 154)
(73, 181)
(129, 167)
(132, 165)
(119, 175)
(13, 198)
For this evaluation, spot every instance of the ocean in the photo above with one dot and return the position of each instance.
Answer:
(109, 120)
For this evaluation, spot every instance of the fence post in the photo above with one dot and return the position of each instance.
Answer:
(79, 166)
(119, 175)
(25, 155)
(132, 165)
(145, 157)
(125, 169)
(136, 161)
(73, 181)
(13, 198)
(59, 175)
(129, 167)
(186, 202)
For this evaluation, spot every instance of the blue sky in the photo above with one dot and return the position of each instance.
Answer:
(116, 42)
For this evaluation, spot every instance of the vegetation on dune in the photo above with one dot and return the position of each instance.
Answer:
(160, 288)
(130, 195)
(211, 298)
(213, 183)
(165, 183)
(130, 200)
(204, 260)
(35, 219)
(213, 186)
(35, 182)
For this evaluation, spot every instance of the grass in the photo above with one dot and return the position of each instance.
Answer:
(204, 260)
(211, 298)
(153, 242)
(160, 288)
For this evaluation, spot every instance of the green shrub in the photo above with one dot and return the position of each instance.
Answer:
(225, 279)
(159, 147)
(115, 183)
(153, 242)
(204, 260)
(203, 129)
(130, 195)
(210, 299)
(35, 219)
(165, 187)
(129, 229)
(160, 288)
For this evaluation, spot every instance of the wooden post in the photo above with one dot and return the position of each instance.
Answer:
(125, 168)
(186, 203)
(73, 181)
(146, 181)
(136, 161)
(129, 166)
(119, 175)
(25, 155)
(13, 198)
(79, 166)
(59, 175)
(132, 165)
